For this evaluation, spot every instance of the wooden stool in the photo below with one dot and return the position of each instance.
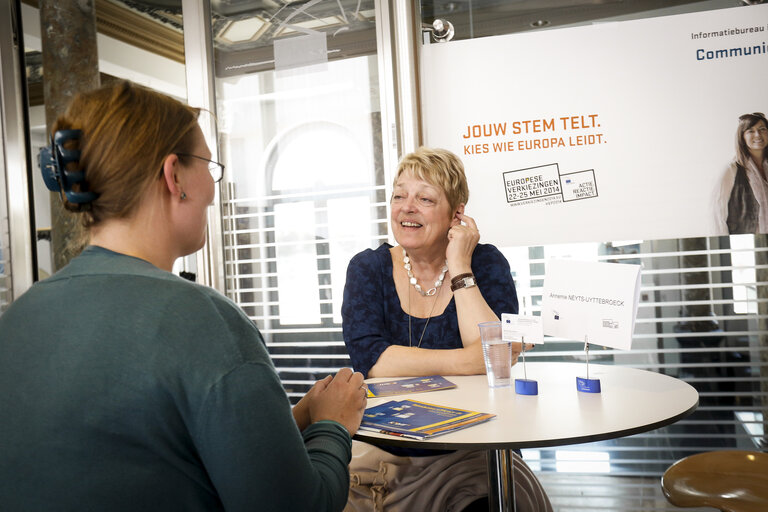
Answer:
(731, 480)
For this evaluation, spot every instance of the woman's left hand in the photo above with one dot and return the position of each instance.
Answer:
(462, 240)
(300, 411)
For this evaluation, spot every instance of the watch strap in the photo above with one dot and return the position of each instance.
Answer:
(460, 281)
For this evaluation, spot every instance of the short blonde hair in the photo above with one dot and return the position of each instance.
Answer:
(438, 167)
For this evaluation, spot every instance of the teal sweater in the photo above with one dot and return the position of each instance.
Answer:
(124, 387)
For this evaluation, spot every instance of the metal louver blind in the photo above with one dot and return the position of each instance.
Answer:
(304, 341)
(701, 318)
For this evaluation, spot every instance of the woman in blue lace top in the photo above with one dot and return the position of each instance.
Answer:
(413, 310)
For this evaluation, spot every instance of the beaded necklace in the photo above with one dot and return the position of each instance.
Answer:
(415, 282)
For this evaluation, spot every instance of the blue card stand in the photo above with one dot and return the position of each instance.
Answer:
(526, 387)
(586, 385)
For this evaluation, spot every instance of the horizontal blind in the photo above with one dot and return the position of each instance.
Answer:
(303, 349)
(696, 322)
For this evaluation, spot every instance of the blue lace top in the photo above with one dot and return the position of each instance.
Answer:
(373, 318)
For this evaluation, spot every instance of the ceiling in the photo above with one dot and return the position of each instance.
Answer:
(245, 30)
(481, 18)
(245, 24)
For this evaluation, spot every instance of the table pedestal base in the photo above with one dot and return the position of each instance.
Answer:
(501, 480)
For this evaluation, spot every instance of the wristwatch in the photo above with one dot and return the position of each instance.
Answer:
(463, 281)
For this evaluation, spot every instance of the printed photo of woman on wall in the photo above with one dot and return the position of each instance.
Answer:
(743, 195)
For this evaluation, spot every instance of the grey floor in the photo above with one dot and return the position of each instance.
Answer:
(582, 493)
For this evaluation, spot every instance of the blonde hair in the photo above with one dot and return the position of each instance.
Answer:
(438, 167)
(127, 132)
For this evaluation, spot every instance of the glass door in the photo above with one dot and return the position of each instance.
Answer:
(300, 130)
(15, 216)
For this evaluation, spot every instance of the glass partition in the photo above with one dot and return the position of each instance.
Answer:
(298, 106)
(701, 316)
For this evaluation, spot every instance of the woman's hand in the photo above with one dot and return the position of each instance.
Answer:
(462, 240)
(516, 347)
(471, 307)
(301, 409)
(341, 398)
(472, 361)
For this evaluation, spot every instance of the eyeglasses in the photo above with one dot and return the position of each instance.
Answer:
(753, 114)
(215, 168)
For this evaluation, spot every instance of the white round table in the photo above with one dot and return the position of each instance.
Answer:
(631, 401)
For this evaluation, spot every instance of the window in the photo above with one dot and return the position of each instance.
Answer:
(686, 327)
(306, 189)
(744, 274)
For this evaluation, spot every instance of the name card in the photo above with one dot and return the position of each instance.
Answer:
(596, 300)
(516, 327)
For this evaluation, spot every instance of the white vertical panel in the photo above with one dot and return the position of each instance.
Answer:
(208, 262)
(349, 230)
(297, 284)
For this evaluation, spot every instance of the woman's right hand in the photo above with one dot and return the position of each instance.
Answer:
(472, 360)
(341, 399)
(462, 240)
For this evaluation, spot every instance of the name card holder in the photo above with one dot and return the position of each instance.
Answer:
(585, 384)
(526, 386)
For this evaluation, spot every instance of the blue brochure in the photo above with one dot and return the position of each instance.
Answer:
(419, 420)
(409, 385)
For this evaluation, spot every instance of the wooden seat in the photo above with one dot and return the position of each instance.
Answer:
(730, 480)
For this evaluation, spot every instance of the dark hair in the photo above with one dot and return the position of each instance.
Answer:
(746, 122)
(127, 132)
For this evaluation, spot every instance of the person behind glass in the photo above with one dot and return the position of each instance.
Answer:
(413, 310)
(743, 194)
(125, 387)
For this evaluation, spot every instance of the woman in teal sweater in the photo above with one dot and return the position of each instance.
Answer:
(125, 387)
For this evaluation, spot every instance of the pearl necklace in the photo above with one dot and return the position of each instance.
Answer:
(415, 282)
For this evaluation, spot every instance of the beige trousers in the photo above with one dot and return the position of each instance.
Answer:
(382, 482)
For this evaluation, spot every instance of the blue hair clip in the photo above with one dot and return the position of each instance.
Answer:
(53, 160)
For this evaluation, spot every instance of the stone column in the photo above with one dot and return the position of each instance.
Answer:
(70, 65)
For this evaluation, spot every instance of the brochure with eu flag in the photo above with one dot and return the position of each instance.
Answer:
(409, 385)
(419, 420)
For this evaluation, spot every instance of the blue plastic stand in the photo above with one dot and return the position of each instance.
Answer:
(526, 387)
(588, 385)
